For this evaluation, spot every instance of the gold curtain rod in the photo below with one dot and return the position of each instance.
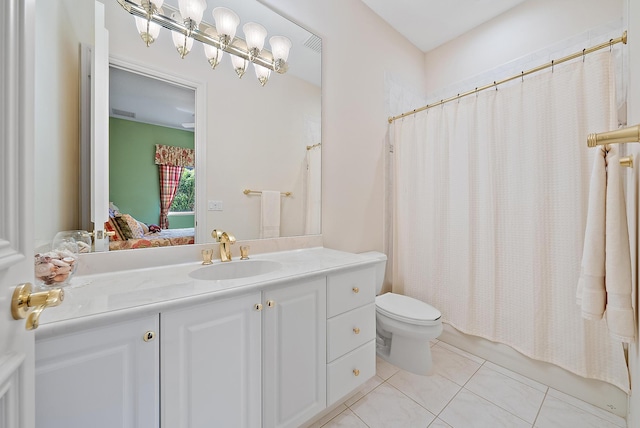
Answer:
(621, 39)
(259, 192)
(630, 134)
(314, 146)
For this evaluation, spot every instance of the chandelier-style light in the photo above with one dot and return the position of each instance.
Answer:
(186, 25)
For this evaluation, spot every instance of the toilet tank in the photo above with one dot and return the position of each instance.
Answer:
(381, 265)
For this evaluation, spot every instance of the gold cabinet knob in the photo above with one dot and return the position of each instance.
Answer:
(149, 336)
(356, 330)
(257, 307)
(356, 372)
(23, 300)
(356, 290)
(271, 303)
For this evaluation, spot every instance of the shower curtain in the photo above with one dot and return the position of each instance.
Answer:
(490, 198)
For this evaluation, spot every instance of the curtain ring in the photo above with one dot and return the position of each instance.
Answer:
(458, 98)
(583, 54)
(610, 45)
(522, 77)
(552, 65)
(476, 92)
(495, 84)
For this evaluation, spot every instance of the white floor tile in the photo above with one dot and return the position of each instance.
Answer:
(558, 413)
(513, 375)
(432, 392)
(439, 423)
(384, 369)
(326, 418)
(510, 394)
(386, 407)
(461, 352)
(346, 419)
(467, 410)
(594, 410)
(452, 365)
(368, 386)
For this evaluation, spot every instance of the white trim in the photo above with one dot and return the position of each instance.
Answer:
(200, 133)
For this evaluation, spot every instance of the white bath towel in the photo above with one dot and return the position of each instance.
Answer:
(270, 214)
(605, 285)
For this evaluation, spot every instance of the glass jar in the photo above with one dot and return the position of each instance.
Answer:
(56, 267)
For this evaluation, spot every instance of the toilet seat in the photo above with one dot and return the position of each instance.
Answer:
(407, 309)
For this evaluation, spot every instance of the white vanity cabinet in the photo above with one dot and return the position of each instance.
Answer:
(351, 331)
(234, 363)
(100, 377)
(211, 364)
(294, 356)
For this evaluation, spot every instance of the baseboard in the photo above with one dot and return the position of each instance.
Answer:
(598, 393)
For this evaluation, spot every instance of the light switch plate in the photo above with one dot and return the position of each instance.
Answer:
(215, 205)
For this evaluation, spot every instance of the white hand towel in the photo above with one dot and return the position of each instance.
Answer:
(270, 215)
(619, 313)
(605, 279)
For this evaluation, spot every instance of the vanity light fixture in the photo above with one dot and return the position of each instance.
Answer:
(186, 25)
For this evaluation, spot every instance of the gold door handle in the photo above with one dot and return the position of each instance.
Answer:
(257, 307)
(356, 330)
(271, 303)
(356, 372)
(23, 300)
(356, 290)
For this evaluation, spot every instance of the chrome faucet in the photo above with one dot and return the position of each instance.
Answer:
(225, 239)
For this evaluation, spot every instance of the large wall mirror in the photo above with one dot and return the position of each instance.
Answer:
(244, 136)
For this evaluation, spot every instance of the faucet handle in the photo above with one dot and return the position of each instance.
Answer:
(231, 238)
(216, 234)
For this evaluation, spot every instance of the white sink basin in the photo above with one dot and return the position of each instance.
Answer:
(235, 269)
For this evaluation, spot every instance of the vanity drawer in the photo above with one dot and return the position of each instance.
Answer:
(349, 290)
(350, 330)
(350, 371)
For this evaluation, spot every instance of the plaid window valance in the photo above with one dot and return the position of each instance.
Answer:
(175, 156)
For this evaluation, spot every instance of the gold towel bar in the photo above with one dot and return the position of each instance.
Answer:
(247, 191)
(630, 134)
(627, 161)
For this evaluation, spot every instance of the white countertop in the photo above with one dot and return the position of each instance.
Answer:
(129, 293)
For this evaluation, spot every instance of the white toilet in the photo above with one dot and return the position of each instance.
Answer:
(404, 326)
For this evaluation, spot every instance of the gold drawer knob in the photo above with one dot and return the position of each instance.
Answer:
(356, 330)
(356, 372)
(356, 290)
(149, 336)
(257, 307)
(271, 303)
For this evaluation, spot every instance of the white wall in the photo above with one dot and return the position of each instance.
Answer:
(357, 49)
(56, 115)
(527, 28)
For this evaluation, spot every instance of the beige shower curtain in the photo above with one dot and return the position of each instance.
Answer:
(490, 201)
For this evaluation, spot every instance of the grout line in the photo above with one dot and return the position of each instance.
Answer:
(540, 409)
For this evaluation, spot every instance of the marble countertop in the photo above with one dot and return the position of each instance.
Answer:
(124, 294)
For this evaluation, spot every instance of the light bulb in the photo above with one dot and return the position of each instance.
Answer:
(254, 34)
(280, 47)
(192, 10)
(213, 54)
(149, 31)
(262, 73)
(239, 65)
(226, 24)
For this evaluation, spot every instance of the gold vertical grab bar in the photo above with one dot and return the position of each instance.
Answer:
(630, 134)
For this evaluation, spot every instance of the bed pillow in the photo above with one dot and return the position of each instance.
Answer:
(145, 228)
(134, 226)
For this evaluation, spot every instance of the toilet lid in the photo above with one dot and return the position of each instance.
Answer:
(407, 309)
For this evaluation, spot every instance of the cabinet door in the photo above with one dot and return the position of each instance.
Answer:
(99, 377)
(210, 368)
(294, 381)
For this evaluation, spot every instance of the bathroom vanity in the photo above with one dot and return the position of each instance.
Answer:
(280, 339)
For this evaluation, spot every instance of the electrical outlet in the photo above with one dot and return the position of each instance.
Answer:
(215, 205)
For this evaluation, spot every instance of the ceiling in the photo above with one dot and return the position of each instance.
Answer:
(430, 23)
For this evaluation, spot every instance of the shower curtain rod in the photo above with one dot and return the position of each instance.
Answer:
(611, 42)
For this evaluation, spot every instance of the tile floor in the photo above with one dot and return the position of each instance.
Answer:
(465, 391)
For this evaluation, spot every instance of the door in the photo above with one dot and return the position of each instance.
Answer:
(16, 217)
(294, 353)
